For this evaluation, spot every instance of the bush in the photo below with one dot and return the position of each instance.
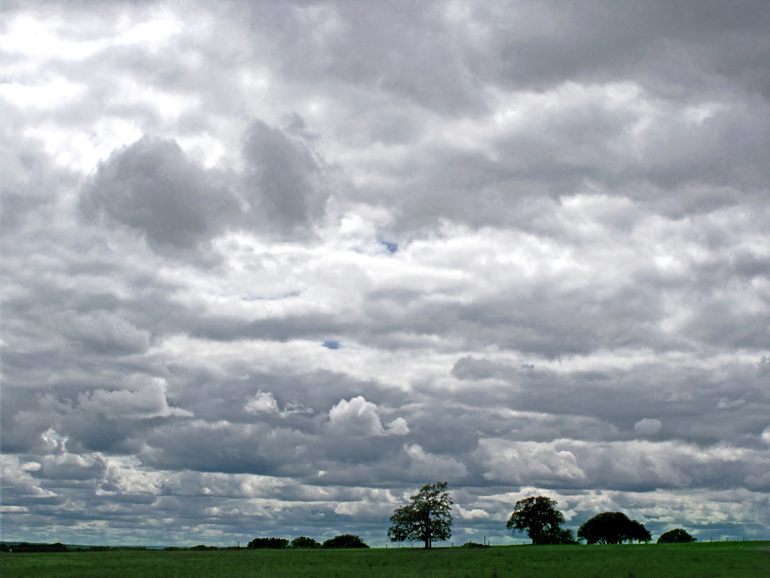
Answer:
(679, 535)
(272, 543)
(474, 545)
(202, 547)
(304, 542)
(345, 541)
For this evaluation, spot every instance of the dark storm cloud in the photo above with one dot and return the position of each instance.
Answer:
(283, 183)
(675, 47)
(152, 187)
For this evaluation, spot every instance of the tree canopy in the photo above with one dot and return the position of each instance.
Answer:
(539, 518)
(675, 536)
(427, 518)
(345, 541)
(612, 528)
(304, 542)
(273, 543)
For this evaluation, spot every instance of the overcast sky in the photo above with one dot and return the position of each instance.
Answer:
(270, 267)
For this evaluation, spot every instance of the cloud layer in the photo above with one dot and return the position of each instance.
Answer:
(269, 268)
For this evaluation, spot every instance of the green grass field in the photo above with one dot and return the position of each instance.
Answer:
(703, 560)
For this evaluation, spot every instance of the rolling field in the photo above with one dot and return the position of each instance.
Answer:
(704, 560)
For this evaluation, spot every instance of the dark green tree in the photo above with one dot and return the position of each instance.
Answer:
(613, 528)
(539, 518)
(304, 542)
(345, 541)
(677, 535)
(427, 518)
(273, 543)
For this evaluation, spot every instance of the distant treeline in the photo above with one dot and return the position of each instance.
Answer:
(59, 547)
(341, 541)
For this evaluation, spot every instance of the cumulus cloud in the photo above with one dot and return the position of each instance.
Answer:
(262, 402)
(284, 280)
(152, 187)
(147, 401)
(107, 333)
(359, 417)
(426, 465)
(647, 426)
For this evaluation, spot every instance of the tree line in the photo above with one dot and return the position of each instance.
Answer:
(341, 541)
(428, 518)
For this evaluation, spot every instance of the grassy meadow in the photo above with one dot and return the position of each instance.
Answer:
(701, 560)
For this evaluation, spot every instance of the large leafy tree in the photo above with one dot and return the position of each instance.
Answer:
(539, 518)
(427, 518)
(613, 528)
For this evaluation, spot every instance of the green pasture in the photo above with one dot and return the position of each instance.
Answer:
(699, 560)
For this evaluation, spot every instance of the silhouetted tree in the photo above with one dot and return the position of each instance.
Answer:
(304, 542)
(612, 528)
(428, 518)
(273, 543)
(539, 518)
(345, 541)
(674, 536)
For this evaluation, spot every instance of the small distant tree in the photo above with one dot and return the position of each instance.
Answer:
(539, 518)
(678, 535)
(304, 542)
(272, 543)
(345, 541)
(428, 518)
(613, 528)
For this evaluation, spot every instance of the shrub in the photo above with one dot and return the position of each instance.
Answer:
(202, 547)
(677, 535)
(474, 545)
(345, 541)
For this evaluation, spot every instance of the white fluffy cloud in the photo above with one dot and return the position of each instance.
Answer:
(359, 417)
(647, 426)
(262, 402)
